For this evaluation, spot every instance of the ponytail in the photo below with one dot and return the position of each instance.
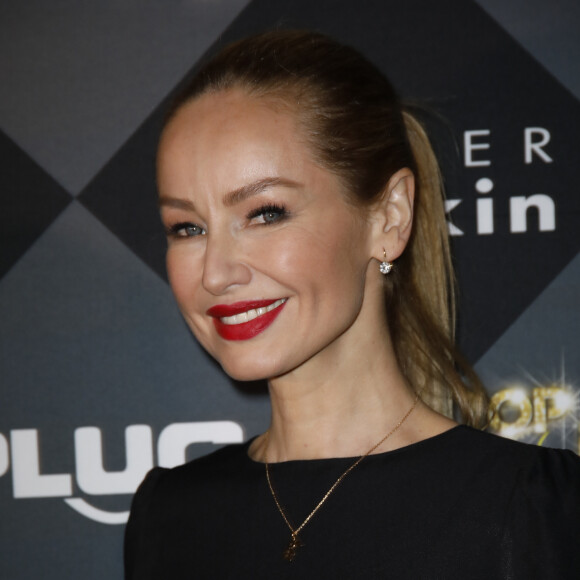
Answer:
(421, 306)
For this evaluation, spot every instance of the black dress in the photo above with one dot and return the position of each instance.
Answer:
(461, 505)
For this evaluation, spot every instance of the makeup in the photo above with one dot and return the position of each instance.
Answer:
(246, 319)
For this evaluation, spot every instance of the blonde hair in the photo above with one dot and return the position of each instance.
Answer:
(422, 314)
(356, 128)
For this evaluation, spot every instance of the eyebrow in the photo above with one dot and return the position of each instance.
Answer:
(233, 197)
(175, 202)
(241, 194)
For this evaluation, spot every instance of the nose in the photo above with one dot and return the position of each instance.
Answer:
(223, 268)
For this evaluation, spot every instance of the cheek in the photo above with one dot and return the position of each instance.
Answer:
(331, 262)
(300, 257)
(183, 276)
(184, 273)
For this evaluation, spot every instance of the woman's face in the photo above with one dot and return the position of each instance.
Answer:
(266, 259)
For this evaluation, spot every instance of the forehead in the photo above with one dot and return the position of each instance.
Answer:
(221, 142)
(214, 113)
(234, 131)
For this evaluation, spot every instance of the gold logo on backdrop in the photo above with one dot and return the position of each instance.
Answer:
(535, 414)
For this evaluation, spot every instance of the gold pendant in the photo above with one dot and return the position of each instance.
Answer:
(290, 552)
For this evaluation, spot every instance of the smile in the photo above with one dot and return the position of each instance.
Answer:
(251, 314)
(245, 320)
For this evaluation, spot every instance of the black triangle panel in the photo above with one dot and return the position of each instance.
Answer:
(30, 200)
(123, 195)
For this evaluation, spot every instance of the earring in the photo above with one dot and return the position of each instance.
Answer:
(385, 267)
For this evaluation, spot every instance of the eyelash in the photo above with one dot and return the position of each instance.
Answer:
(174, 230)
(269, 209)
(179, 230)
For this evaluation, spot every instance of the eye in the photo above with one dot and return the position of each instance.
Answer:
(268, 214)
(185, 230)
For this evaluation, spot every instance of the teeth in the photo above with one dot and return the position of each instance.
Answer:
(251, 314)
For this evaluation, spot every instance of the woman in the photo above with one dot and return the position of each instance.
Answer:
(307, 245)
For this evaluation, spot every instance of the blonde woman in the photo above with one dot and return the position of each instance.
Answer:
(307, 245)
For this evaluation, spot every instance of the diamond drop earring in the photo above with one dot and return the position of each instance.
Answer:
(385, 267)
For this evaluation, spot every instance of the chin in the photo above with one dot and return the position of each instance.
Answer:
(250, 369)
(245, 373)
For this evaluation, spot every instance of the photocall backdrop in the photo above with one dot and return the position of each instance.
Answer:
(101, 379)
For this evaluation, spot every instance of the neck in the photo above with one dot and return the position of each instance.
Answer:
(338, 410)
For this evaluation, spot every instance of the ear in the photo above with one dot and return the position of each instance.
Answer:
(392, 216)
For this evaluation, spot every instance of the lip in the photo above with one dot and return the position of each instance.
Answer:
(244, 330)
(221, 310)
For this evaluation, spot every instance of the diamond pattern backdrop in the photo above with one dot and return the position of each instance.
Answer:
(89, 334)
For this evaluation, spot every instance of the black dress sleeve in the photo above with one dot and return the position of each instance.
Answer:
(542, 529)
(135, 530)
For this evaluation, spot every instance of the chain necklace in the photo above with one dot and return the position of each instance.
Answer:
(295, 542)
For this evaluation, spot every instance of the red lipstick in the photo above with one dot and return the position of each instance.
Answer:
(244, 330)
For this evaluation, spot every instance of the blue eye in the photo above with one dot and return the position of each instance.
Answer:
(268, 214)
(185, 230)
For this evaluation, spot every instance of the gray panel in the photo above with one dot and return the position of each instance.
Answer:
(542, 337)
(540, 349)
(84, 75)
(550, 31)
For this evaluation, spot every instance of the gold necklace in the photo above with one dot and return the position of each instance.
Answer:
(290, 552)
